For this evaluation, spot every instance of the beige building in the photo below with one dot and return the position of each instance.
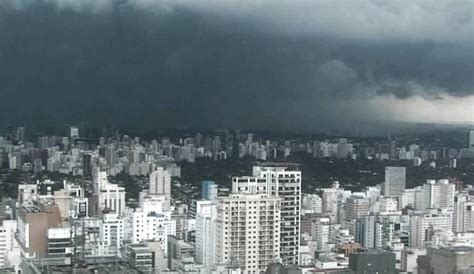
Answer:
(33, 224)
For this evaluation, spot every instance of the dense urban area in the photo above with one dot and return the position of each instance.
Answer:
(228, 201)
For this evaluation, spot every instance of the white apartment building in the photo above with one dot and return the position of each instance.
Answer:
(463, 218)
(154, 226)
(413, 197)
(111, 233)
(332, 200)
(322, 229)
(439, 194)
(205, 241)
(279, 180)
(421, 224)
(7, 240)
(248, 230)
(312, 203)
(112, 197)
(151, 220)
(160, 182)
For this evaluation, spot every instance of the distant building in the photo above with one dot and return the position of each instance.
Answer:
(471, 140)
(395, 181)
(355, 208)
(209, 190)
(20, 133)
(439, 194)
(160, 182)
(74, 132)
(87, 165)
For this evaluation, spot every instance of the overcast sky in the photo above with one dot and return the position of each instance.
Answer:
(270, 64)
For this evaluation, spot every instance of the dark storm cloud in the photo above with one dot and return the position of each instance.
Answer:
(206, 63)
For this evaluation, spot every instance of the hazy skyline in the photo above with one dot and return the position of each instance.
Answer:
(250, 64)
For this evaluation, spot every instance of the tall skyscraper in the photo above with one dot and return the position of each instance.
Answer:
(395, 181)
(284, 181)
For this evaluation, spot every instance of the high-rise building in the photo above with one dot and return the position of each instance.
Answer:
(110, 196)
(281, 180)
(248, 230)
(463, 213)
(205, 237)
(86, 164)
(110, 155)
(355, 207)
(332, 200)
(439, 194)
(373, 233)
(395, 181)
(321, 228)
(111, 233)
(160, 182)
(365, 231)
